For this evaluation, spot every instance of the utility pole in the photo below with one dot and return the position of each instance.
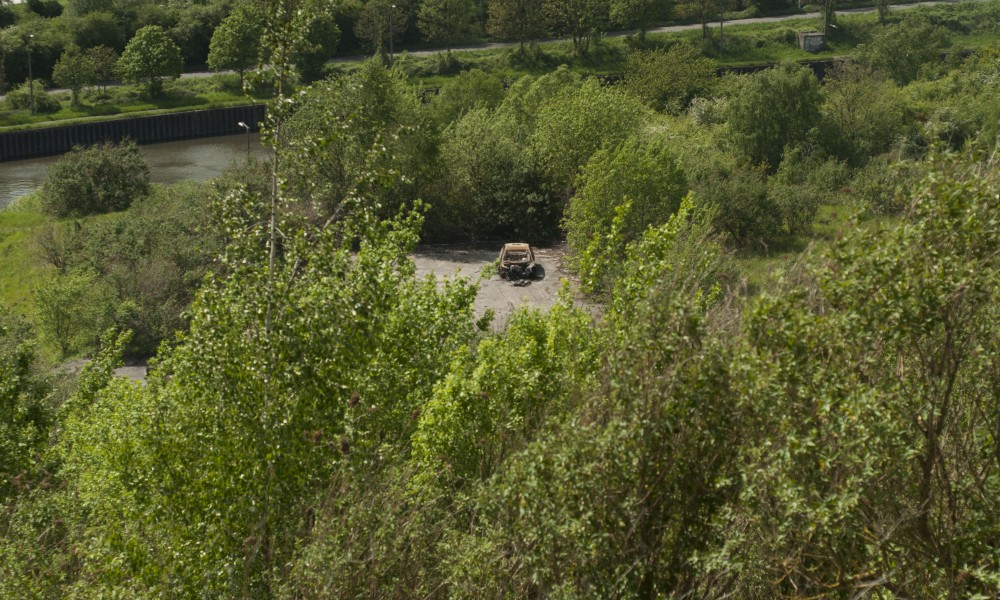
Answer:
(392, 13)
(31, 79)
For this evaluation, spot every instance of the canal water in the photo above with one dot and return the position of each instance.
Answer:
(169, 162)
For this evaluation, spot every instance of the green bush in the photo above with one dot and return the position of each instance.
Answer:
(98, 179)
(642, 171)
(902, 48)
(738, 194)
(20, 98)
(772, 109)
(668, 80)
(154, 256)
(576, 123)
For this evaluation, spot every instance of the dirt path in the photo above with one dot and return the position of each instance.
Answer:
(494, 293)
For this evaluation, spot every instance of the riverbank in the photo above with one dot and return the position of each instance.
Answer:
(17, 145)
(746, 42)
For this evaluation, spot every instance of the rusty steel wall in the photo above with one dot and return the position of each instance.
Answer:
(46, 141)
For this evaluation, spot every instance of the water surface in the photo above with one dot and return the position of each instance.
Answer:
(169, 162)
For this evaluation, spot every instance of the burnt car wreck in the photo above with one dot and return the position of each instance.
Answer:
(517, 262)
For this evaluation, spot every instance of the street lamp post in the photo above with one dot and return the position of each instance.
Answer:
(31, 79)
(392, 13)
(247, 129)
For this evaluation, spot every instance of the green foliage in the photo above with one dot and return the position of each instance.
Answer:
(580, 20)
(494, 401)
(576, 122)
(638, 14)
(20, 98)
(773, 109)
(24, 413)
(668, 80)
(867, 112)
(149, 57)
(235, 43)
(99, 179)
(153, 256)
(74, 309)
(902, 48)
(612, 499)
(495, 189)
(467, 90)
(320, 36)
(889, 410)
(641, 171)
(738, 194)
(445, 22)
(377, 20)
(74, 70)
(343, 125)
(519, 20)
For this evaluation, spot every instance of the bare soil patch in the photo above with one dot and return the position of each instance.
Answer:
(503, 296)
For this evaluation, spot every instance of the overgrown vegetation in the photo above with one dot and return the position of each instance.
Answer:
(323, 423)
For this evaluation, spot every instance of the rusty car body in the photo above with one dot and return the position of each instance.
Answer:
(517, 261)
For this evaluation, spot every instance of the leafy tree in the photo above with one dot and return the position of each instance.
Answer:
(642, 172)
(372, 108)
(467, 90)
(669, 80)
(235, 42)
(154, 256)
(772, 109)
(705, 11)
(445, 21)
(104, 60)
(74, 70)
(103, 178)
(906, 343)
(576, 122)
(580, 20)
(737, 195)
(867, 112)
(520, 20)
(318, 42)
(97, 29)
(193, 30)
(74, 309)
(494, 190)
(24, 415)
(901, 49)
(149, 57)
(373, 25)
(638, 14)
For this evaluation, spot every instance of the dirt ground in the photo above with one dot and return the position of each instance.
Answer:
(499, 294)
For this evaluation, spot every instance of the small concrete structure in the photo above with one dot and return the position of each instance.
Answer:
(812, 41)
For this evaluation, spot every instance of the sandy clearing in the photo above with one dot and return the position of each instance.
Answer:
(495, 293)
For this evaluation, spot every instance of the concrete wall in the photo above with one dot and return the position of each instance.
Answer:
(46, 141)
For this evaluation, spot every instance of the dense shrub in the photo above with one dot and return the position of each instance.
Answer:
(154, 257)
(494, 189)
(901, 49)
(20, 98)
(575, 123)
(98, 179)
(866, 112)
(641, 171)
(668, 80)
(772, 109)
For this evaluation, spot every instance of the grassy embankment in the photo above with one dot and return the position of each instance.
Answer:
(746, 44)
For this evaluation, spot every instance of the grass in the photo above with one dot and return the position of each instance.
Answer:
(216, 91)
(21, 270)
